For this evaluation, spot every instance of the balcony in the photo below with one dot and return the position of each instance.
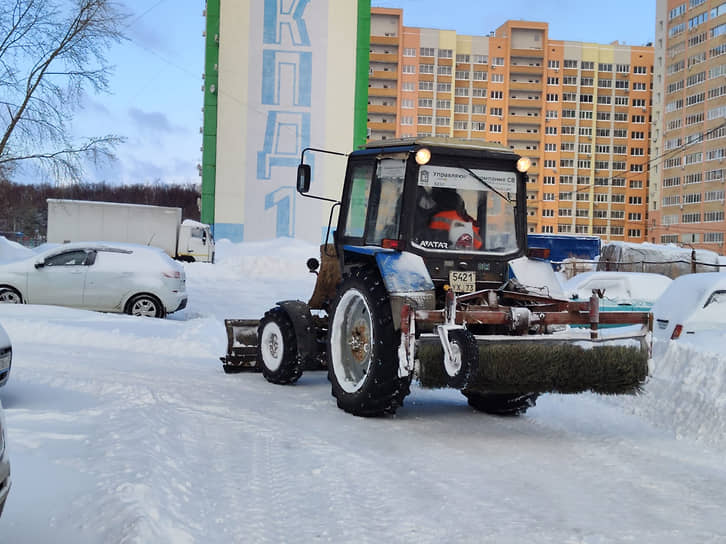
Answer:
(382, 127)
(525, 86)
(376, 108)
(527, 53)
(383, 57)
(516, 136)
(525, 103)
(383, 74)
(523, 69)
(385, 40)
(378, 91)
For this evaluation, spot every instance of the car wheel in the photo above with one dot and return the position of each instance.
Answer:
(501, 404)
(8, 295)
(362, 348)
(145, 306)
(277, 348)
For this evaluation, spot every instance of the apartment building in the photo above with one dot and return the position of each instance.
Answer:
(580, 111)
(687, 182)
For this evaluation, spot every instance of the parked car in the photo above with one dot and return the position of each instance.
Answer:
(110, 277)
(622, 291)
(4, 464)
(6, 356)
(692, 303)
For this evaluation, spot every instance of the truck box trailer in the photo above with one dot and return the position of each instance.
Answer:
(159, 226)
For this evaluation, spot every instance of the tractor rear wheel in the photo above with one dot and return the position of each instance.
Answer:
(277, 354)
(501, 404)
(362, 348)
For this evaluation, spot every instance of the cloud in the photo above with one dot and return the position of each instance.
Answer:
(153, 121)
(148, 37)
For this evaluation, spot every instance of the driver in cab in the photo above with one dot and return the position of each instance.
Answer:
(450, 220)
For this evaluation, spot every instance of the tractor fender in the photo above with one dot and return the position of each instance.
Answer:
(407, 281)
(302, 322)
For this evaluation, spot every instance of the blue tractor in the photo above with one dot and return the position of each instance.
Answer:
(427, 276)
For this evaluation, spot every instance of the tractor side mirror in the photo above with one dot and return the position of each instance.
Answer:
(303, 178)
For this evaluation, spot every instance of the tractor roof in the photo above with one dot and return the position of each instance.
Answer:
(460, 144)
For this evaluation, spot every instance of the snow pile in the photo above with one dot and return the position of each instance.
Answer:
(12, 251)
(619, 287)
(667, 259)
(686, 393)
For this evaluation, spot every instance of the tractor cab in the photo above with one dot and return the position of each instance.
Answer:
(458, 204)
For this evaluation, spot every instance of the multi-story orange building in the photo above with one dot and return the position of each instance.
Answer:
(580, 111)
(687, 181)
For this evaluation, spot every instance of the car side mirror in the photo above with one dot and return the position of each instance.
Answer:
(303, 178)
(40, 264)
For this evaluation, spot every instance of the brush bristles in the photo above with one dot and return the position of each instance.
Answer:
(544, 368)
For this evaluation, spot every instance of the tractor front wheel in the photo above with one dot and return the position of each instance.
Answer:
(501, 404)
(362, 348)
(277, 354)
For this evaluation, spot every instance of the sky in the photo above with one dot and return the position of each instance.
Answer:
(157, 96)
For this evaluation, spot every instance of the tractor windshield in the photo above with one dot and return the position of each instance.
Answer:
(465, 210)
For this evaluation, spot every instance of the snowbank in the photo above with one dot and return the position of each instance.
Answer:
(12, 251)
(667, 259)
(686, 393)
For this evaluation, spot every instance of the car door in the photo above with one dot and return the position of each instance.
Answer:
(109, 279)
(59, 279)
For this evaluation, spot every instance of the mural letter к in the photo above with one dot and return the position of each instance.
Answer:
(287, 69)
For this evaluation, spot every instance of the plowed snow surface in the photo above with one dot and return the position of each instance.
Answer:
(124, 429)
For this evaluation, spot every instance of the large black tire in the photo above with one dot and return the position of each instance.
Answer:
(501, 404)
(145, 306)
(277, 355)
(465, 358)
(363, 348)
(8, 295)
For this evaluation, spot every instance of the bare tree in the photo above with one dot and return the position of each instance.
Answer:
(51, 53)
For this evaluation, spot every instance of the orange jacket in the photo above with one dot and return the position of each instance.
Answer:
(450, 218)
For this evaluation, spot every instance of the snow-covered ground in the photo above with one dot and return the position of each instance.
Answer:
(126, 430)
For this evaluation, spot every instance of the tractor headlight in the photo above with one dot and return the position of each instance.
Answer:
(423, 156)
(523, 164)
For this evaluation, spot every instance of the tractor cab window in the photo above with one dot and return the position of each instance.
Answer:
(361, 180)
(375, 200)
(386, 207)
(458, 211)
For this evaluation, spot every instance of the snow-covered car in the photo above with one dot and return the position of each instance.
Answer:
(6, 356)
(692, 303)
(622, 291)
(104, 276)
(4, 464)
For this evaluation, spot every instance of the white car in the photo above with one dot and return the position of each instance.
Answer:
(4, 464)
(6, 356)
(622, 290)
(692, 303)
(109, 277)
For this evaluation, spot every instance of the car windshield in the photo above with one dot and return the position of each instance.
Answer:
(465, 210)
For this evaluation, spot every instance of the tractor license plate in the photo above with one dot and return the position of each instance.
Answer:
(462, 281)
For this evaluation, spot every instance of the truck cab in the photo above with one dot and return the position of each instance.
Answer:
(195, 242)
